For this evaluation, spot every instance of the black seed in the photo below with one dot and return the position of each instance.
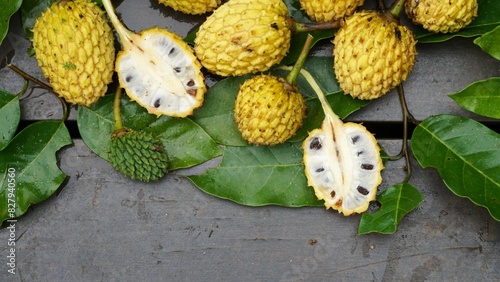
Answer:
(81, 16)
(275, 26)
(128, 78)
(359, 153)
(355, 139)
(177, 69)
(157, 103)
(171, 53)
(362, 190)
(320, 169)
(367, 166)
(190, 83)
(315, 144)
(332, 194)
(192, 92)
(397, 33)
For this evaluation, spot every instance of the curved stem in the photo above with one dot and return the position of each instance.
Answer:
(406, 117)
(30, 78)
(45, 86)
(294, 73)
(117, 110)
(25, 88)
(396, 8)
(122, 31)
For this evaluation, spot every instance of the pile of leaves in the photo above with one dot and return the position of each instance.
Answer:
(465, 152)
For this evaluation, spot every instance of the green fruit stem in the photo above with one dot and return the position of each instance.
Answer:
(117, 110)
(294, 73)
(396, 8)
(124, 33)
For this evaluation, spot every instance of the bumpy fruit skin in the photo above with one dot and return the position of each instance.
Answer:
(244, 36)
(139, 155)
(372, 54)
(193, 7)
(74, 46)
(329, 10)
(268, 110)
(442, 16)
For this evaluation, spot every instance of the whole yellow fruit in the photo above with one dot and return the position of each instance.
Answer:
(74, 46)
(268, 110)
(244, 36)
(372, 54)
(442, 15)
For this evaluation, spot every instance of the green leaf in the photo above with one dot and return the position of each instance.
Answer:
(257, 176)
(10, 115)
(481, 97)
(396, 201)
(488, 18)
(466, 154)
(490, 42)
(186, 143)
(30, 11)
(9, 7)
(217, 118)
(28, 167)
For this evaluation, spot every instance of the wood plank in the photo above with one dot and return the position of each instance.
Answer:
(102, 226)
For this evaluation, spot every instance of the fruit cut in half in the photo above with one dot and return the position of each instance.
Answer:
(342, 162)
(158, 70)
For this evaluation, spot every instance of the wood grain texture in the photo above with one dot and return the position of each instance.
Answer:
(102, 226)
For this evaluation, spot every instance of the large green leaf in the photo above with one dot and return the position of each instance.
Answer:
(257, 176)
(10, 114)
(490, 42)
(29, 169)
(9, 7)
(488, 18)
(217, 117)
(481, 97)
(396, 201)
(466, 154)
(186, 143)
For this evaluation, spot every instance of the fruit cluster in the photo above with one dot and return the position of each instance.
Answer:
(373, 53)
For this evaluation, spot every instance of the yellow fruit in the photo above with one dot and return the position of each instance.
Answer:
(193, 7)
(73, 45)
(158, 70)
(372, 54)
(442, 15)
(268, 110)
(244, 36)
(329, 10)
(342, 162)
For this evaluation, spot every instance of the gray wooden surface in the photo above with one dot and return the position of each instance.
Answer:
(103, 227)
